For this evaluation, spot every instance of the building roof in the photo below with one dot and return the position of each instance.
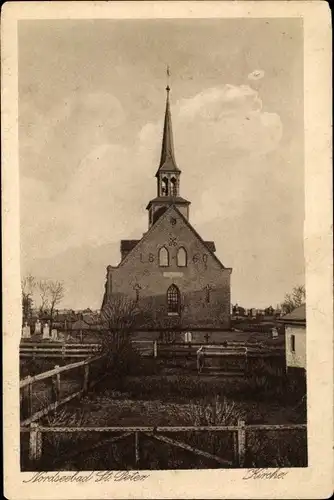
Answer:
(85, 323)
(168, 200)
(298, 315)
(167, 159)
(127, 245)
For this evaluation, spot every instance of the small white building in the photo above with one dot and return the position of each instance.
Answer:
(295, 338)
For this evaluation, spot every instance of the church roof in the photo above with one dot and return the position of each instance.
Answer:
(168, 200)
(167, 159)
(127, 245)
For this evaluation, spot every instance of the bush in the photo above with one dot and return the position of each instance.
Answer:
(211, 411)
(266, 381)
(127, 361)
(276, 449)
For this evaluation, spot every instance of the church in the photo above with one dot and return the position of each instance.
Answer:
(175, 277)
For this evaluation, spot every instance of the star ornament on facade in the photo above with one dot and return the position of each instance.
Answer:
(172, 241)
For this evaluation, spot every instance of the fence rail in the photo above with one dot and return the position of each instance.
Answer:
(238, 431)
(147, 348)
(27, 394)
(59, 350)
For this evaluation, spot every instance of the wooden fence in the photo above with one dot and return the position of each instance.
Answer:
(58, 350)
(27, 394)
(45, 350)
(238, 431)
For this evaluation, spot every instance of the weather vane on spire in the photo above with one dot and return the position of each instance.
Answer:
(168, 75)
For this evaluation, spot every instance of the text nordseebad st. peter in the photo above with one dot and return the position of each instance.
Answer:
(80, 477)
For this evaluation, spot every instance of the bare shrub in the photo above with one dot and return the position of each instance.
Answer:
(63, 417)
(210, 412)
(56, 445)
(119, 318)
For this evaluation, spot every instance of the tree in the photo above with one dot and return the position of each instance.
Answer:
(294, 299)
(51, 293)
(56, 294)
(28, 285)
(43, 288)
(119, 317)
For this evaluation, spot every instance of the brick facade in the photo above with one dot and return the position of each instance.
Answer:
(204, 283)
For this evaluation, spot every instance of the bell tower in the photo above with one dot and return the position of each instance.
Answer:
(168, 174)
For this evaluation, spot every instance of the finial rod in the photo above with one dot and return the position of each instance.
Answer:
(168, 75)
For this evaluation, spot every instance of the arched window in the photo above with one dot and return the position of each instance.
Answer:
(164, 186)
(173, 299)
(182, 257)
(173, 187)
(163, 257)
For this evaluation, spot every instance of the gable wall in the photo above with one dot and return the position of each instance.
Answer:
(142, 267)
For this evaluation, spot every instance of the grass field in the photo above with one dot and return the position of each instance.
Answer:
(173, 400)
(170, 392)
(160, 397)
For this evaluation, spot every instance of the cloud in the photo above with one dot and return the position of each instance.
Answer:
(257, 74)
(52, 143)
(222, 137)
(227, 119)
(223, 141)
(97, 206)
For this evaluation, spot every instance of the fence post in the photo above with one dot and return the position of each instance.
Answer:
(86, 378)
(26, 401)
(35, 442)
(63, 350)
(34, 353)
(55, 386)
(155, 348)
(235, 446)
(241, 442)
(137, 457)
(57, 383)
(29, 398)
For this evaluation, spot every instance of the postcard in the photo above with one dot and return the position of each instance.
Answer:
(168, 280)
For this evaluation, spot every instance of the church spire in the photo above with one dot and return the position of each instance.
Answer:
(168, 174)
(167, 159)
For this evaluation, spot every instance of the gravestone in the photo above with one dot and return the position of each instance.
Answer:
(188, 337)
(274, 333)
(26, 331)
(207, 337)
(54, 335)
(46, 331)
(38, 327)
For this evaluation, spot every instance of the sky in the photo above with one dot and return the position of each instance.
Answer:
(91, 109)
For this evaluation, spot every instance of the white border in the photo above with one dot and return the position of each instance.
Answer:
(316, 481)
